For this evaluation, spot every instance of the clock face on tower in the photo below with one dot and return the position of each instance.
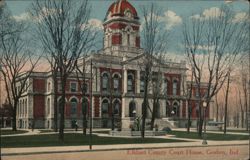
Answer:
(128, 13)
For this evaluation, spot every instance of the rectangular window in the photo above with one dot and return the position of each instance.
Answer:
(73, 87)
(85, 88)
(175, 88)
(142, 86)
(59, 87)
(196, 92)
(130, 86)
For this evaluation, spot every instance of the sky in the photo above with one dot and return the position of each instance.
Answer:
(173, 13)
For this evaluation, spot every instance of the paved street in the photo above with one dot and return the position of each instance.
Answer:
(239, 152)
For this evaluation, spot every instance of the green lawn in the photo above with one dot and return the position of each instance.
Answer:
(238, 131)
(101, 132)
(73, 139)
(210, 136)
(8, 132)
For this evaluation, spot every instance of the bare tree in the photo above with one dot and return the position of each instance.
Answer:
(244, 101)
(156, 83)
(211, 45)
(82, 77)
(226, 100)
(154, 41)
(63, 29)
(18, 64)
(241, 108)
(187, 92)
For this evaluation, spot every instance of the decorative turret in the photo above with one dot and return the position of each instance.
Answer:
(121, 25)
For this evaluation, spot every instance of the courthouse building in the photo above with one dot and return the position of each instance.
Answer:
(117, 86)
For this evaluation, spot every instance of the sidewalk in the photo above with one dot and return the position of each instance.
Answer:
(217, 132)
(68, 149)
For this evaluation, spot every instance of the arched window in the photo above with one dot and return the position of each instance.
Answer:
(73, 104)
(175, 87)
(117, 107)
(128, 39)
(116, 82)
(48, 106)
(130, 83)
(105, 82)
(132, 109)
(49, 87)
(105, 108)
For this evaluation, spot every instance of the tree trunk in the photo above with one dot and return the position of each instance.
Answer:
(14, 128)
(189, 117)
(217, 108)
(55, 102)
(62, 109)
(145, 101)
(226, 103)
(155, 107)
(84, 123)
(200, 122)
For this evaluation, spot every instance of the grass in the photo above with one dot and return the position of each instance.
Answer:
(9, 132)
(101, 132)
(73, 139)
(46, 130)
(238, 131)
(210, 136)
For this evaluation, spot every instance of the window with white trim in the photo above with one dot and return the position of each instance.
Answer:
(73, 87)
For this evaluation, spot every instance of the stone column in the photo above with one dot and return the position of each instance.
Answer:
(100, 107)
(98, 79)
(125, 76)
(138, 81)
(123, 107)
(181, 109)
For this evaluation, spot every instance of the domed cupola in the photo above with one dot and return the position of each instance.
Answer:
(121, 25)
(121, 8)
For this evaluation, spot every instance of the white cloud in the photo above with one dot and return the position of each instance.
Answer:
(96, 23)
(22, 17)
(212, 12)
(241, 16)
(92, 24)
(171, 19)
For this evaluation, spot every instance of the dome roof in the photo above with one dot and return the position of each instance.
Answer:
(122, 8)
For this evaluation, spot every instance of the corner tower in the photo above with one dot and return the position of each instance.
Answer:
(121, 26)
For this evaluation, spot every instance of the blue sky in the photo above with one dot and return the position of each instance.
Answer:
(177, 11)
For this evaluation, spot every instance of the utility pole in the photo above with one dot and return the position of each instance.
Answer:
(90, 115)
